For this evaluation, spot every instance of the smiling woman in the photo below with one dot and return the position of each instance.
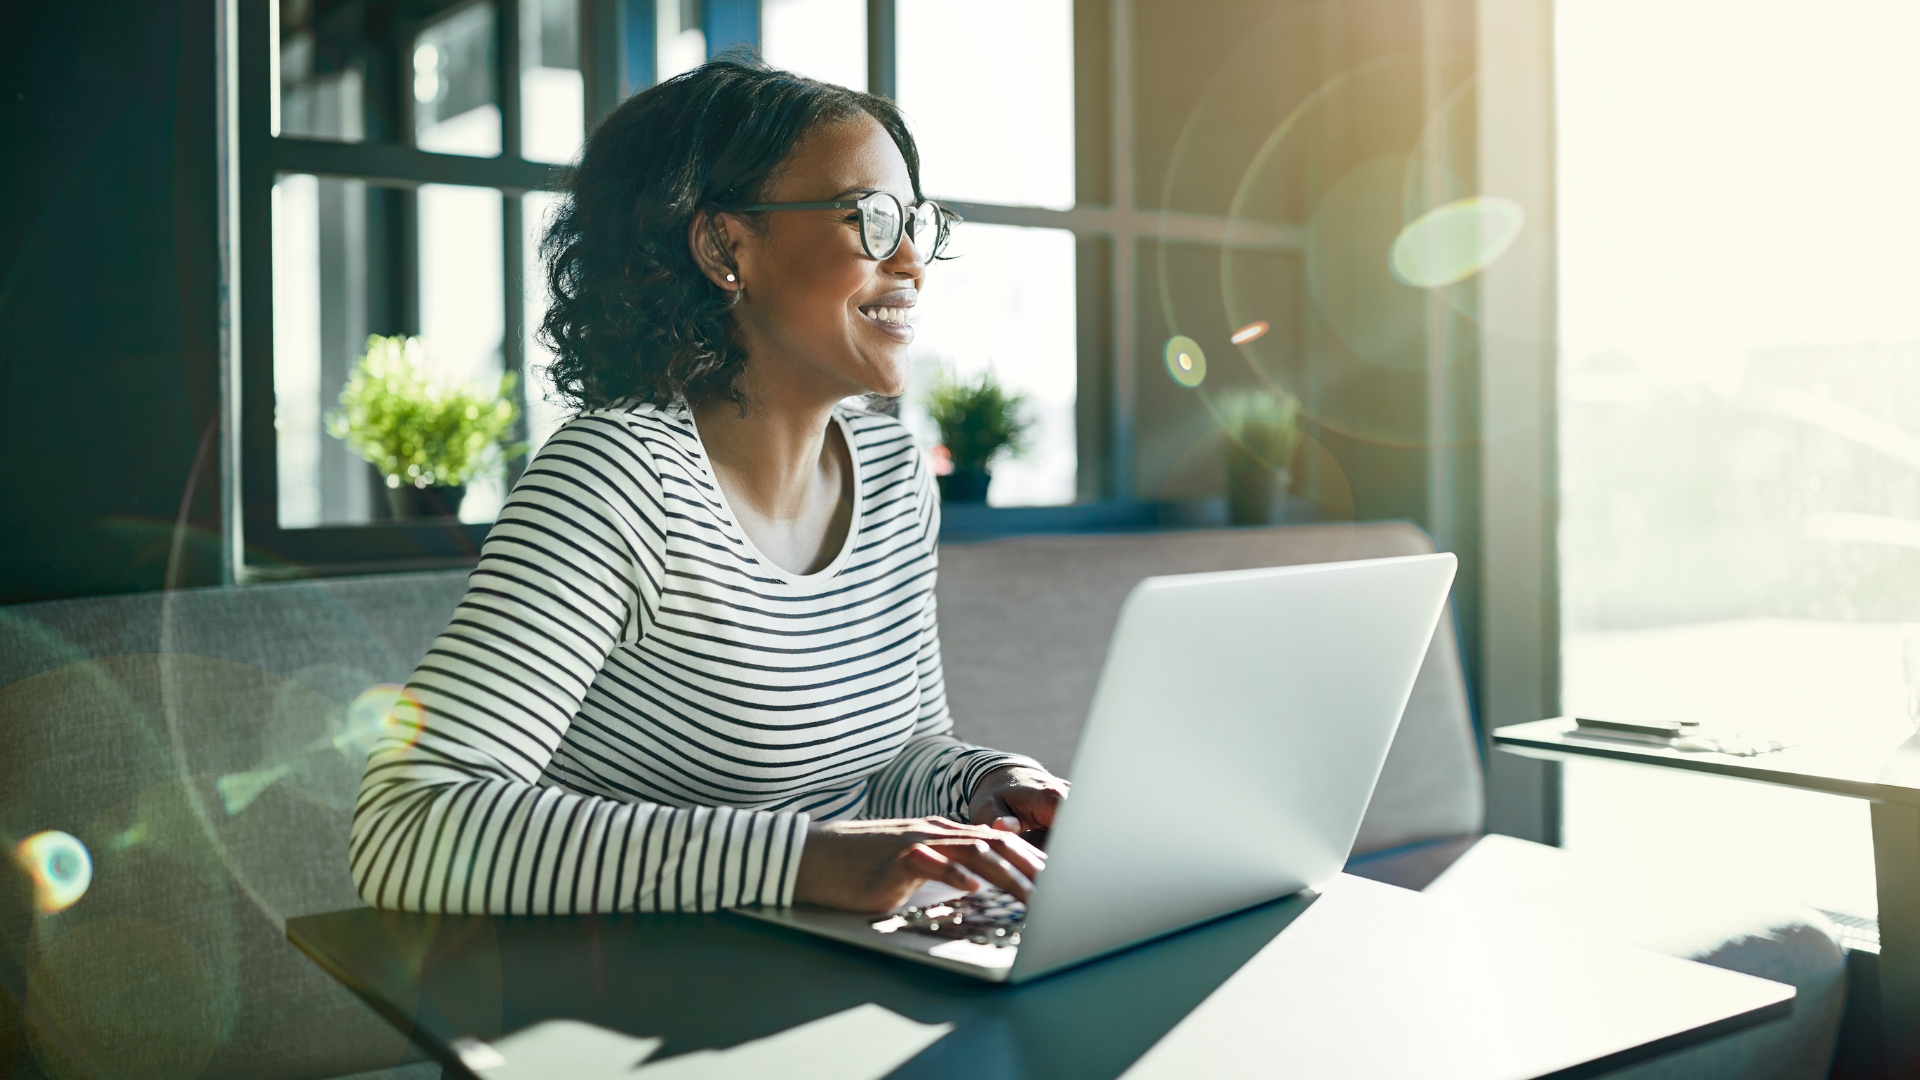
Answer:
(701, 642)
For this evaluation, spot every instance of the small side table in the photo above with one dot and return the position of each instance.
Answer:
(1885, 772)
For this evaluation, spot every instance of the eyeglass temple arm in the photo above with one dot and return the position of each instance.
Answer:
(840, 204)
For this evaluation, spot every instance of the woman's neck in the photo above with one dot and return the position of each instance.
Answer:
(786, 472)
(773, 459)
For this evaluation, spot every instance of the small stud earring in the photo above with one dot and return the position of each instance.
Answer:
(729, 277)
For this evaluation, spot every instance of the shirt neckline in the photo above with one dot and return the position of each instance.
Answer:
(731, 522)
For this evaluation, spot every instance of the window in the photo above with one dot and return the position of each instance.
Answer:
(386, 189)
(396, 162)
(1740, 381)
(993, 113)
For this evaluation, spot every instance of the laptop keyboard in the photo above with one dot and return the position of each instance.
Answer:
(990, 917)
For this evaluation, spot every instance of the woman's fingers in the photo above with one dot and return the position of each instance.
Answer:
(927, 864)
(1019, 851)
(985, 861)
(966, 857)
(1011, 846)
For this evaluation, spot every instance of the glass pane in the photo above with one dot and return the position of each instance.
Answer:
(998, 307)
(1740, 381)
(323, 310)
(455, 107)
(821, 39)
(334, 284)
(320, 76)
(992, 109)
(463, 306)
(680, 43)
(552, 92)
(544, 413)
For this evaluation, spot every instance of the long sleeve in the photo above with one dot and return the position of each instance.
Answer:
(934, 773)
(453, 815)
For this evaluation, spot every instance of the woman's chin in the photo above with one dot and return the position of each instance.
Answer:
(886, 376)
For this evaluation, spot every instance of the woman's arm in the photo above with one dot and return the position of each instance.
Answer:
(934, 774)
(923, 798)
(452, 816)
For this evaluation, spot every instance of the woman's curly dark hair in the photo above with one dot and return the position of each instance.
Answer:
(631, 314)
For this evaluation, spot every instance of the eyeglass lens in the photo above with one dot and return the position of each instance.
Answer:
(925, 229)
(882, 224)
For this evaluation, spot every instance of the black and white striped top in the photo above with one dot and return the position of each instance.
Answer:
(633, 709)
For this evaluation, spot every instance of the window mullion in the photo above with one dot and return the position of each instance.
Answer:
(506, 66)
(513, 325)
(882, 49)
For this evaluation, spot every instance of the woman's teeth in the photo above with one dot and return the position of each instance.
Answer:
(897, 316)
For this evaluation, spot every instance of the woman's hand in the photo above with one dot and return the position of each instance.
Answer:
(1017, 798)
(875, 865)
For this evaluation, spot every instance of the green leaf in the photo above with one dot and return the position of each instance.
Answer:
(977, 418)
(418, 429)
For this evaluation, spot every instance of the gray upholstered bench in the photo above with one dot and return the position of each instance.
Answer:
(199, 743)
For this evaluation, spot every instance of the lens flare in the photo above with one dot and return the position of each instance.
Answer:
(1452, 243)
(238, 790)
(1185, 361)
(381, 712)
(1253, 331)
(385, 713)
(60, 868)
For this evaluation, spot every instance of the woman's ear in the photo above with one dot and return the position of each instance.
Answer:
(711, 240)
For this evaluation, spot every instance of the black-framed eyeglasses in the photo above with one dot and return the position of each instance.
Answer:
(883, 221)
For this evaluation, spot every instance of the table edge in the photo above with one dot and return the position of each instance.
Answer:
(1556, 747)
(434, 1047)
(1681, 1040)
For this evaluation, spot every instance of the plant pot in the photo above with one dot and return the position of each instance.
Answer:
(433, 502)
(1254, 489)
(965, 486)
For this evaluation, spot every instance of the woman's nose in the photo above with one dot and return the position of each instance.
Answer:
(905, 260)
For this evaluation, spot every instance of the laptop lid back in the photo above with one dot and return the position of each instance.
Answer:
(1238, 729)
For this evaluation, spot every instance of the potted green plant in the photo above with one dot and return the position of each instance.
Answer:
(426, 435)
(1262, 435)
(978, 420)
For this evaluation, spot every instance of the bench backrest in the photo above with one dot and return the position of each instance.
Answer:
(1024, 625)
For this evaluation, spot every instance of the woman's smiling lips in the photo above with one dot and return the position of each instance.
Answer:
(891, 314)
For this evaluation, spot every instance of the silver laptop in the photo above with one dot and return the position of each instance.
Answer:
(1235, 738)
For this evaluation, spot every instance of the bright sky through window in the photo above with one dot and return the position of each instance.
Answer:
(821, 39)
(988, 87)
(1741, 366)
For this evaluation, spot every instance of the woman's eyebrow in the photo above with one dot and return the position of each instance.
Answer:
(856, 191)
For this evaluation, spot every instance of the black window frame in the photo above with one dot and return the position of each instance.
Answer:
(268, 550)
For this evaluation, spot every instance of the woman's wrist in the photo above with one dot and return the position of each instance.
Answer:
(1019, 795)
(1003, 773)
